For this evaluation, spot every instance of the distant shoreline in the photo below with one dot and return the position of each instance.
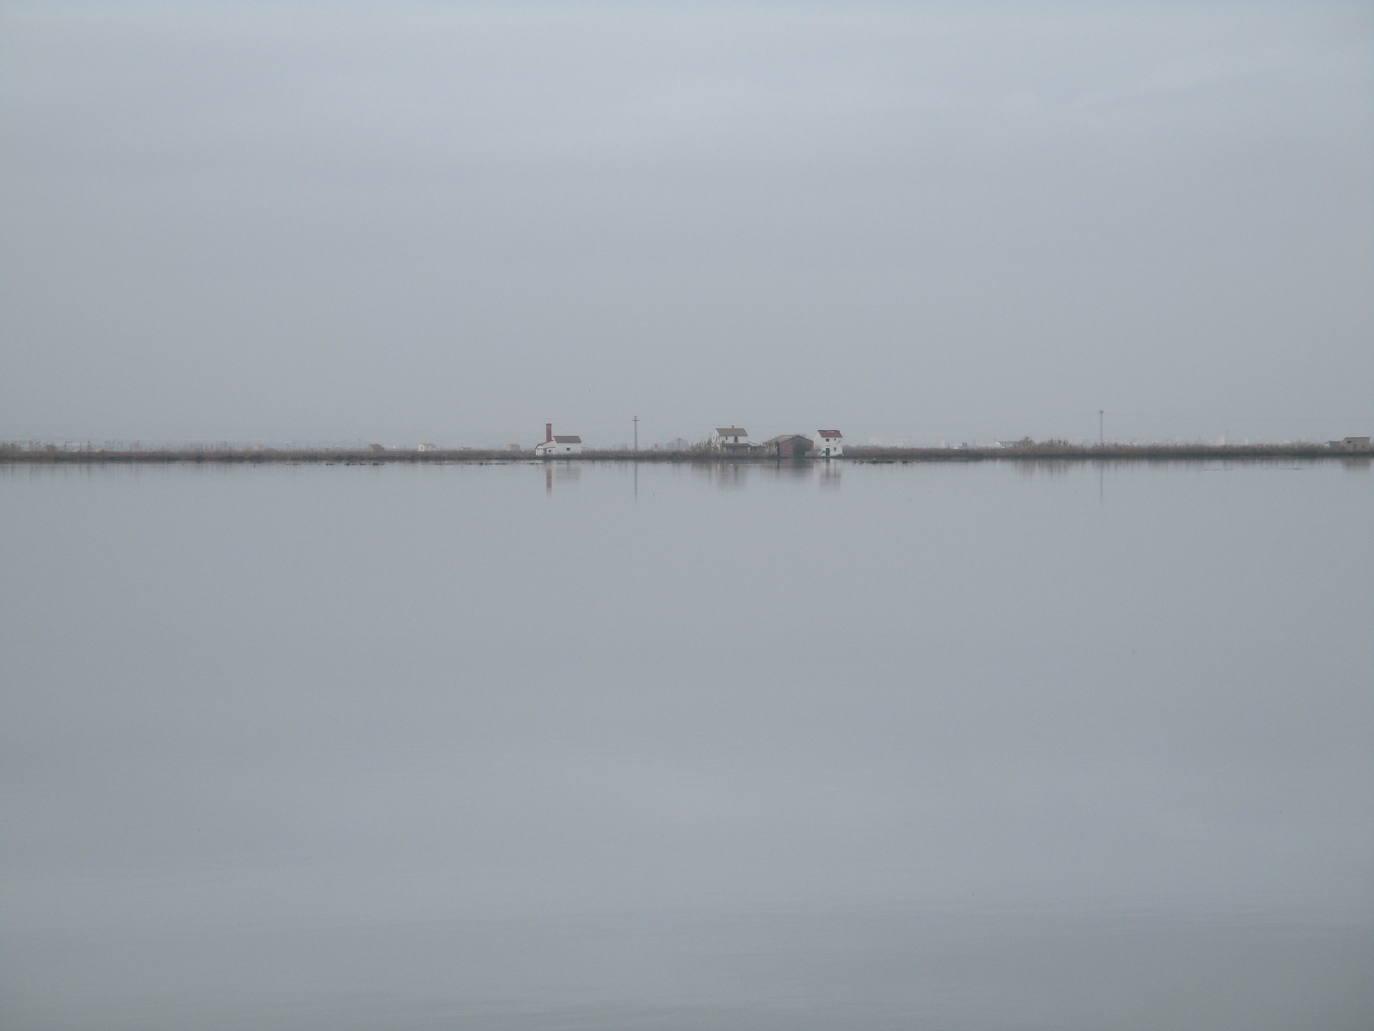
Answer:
(355, 456)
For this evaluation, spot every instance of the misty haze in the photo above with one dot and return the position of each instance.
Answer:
(451, 222)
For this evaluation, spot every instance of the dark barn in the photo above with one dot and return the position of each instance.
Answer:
(789, 445)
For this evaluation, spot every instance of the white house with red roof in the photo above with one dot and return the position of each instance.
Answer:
(829, 444)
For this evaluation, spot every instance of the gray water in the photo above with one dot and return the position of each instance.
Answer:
(994, 746)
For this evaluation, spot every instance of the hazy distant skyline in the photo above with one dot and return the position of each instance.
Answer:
(455, 222)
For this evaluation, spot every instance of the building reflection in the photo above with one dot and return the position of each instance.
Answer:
(725, 475)
(722, 475)
(563, 473)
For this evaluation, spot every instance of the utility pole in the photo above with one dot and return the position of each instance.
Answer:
(1099, 428)
(636, 433)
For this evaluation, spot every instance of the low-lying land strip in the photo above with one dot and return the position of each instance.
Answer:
(15, 453)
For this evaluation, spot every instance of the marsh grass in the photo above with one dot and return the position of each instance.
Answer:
(12, 452)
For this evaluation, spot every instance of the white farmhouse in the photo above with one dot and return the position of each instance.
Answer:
(557, 445)
(829, 444)
(730, 438)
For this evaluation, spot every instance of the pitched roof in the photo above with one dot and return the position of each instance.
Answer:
(731, 431)
(830, 433)
(567, 440)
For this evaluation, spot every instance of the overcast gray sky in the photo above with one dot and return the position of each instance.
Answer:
(454, 222)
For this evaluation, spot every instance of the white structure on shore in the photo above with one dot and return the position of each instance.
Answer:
(829, 444)
(730, 438)
(557, 445)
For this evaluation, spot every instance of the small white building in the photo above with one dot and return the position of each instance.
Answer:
(730, 438)
(555, 445)
(829, 444)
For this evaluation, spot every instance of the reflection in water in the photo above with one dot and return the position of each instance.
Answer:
(734, 475)
(936, 751)
(1030, 467)
(726, 475)
(566, 473)
(791, 469)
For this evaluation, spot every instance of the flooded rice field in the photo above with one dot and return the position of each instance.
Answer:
(613, 746)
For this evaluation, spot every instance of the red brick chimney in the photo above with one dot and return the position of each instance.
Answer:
(548, 433)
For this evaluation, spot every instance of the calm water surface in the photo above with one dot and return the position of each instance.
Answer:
(995, 746)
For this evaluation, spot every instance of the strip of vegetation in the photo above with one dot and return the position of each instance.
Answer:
(1058, 450)
(1096, 452)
